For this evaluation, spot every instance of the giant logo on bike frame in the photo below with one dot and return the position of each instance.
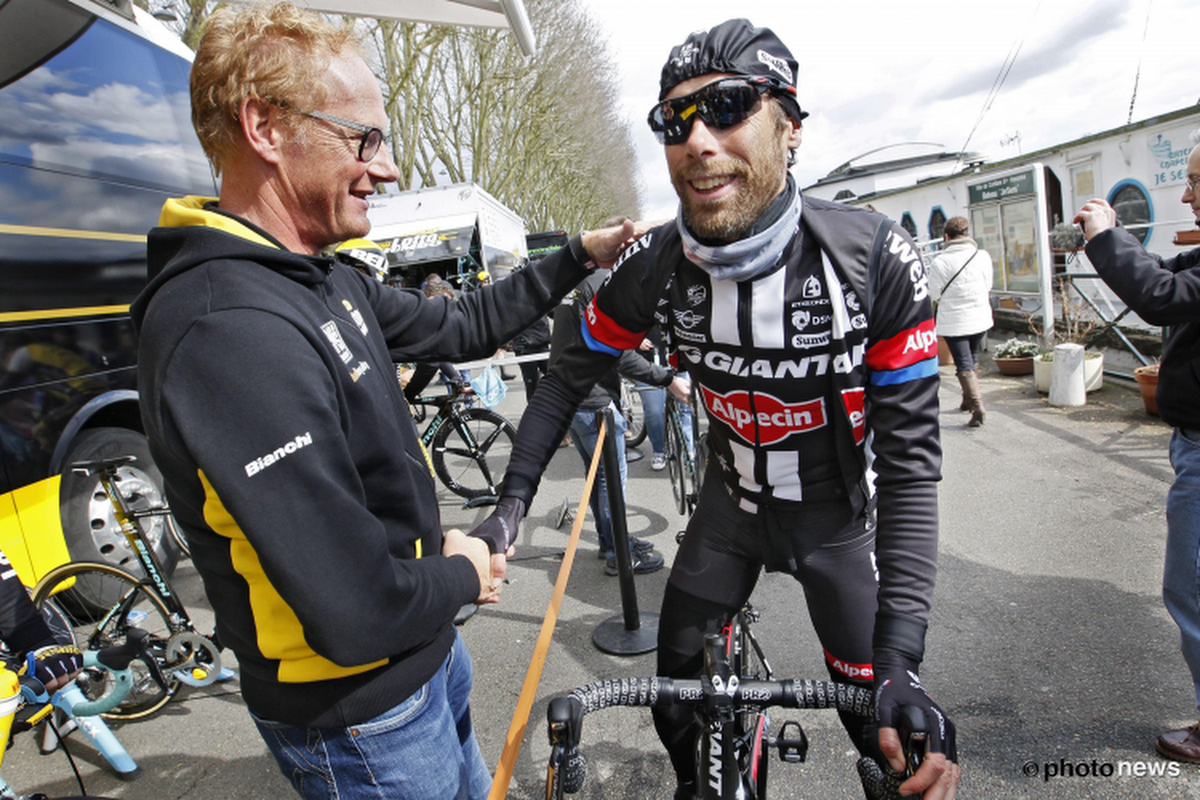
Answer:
(767, 420)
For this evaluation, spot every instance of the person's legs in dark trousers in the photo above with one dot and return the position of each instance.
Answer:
(965, 352)
(713, 576)
(531, 373)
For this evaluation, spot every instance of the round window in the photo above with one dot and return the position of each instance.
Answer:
(1132, 204)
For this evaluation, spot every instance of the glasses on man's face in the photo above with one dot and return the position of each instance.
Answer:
(1191, 184)
(371, 139)
(721, 104)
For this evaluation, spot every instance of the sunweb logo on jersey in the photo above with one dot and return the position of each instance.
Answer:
(769, 420)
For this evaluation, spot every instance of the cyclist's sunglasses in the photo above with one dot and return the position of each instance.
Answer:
(721, 104)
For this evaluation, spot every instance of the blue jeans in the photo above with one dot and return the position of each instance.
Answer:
(584, 432)
(1181, 575)
(654, 404)
(654, 411)
(965, 351)
(423, 749)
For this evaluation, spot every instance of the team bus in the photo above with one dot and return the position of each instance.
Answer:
(95, 134)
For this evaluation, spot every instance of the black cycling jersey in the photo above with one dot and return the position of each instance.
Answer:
(819, 377)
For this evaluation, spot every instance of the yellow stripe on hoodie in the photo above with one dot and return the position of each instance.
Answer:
(280, 634)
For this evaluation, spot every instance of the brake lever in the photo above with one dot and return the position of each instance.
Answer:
(914, 738)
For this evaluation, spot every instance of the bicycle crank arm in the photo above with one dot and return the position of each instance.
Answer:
(193, 659)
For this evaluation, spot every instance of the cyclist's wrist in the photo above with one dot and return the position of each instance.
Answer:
(902, 634)
(519, 487)
(499, 530)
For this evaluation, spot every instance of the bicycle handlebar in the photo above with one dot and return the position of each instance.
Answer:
(115, 659)
(568, 766)
(657, 691)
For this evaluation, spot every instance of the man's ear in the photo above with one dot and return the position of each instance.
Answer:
(262, 126)
(796, 135)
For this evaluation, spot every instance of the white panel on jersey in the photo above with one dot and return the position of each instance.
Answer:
(724, 323)
(743, 465)
(768, 307)
(783, 474)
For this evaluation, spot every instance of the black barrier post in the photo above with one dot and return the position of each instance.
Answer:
(629, 633)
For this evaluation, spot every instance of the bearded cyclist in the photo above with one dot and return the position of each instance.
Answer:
(809, 329)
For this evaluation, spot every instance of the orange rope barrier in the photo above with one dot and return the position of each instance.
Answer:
(516, 729)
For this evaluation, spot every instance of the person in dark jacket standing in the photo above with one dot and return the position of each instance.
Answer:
(1167, 292)
(272, 408)
(808, 328)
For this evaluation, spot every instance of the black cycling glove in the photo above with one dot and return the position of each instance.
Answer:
(500, 529)
(54, 662)
(897, 685)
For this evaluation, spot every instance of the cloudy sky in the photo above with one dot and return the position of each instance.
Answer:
(876, 73)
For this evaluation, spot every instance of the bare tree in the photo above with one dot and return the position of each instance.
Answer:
(541, 134)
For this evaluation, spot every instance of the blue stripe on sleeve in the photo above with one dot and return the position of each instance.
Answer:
(922, 369)
(593, 343)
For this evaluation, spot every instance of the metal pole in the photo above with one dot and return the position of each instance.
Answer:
(625, 634)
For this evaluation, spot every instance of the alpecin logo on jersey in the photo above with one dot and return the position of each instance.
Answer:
(770, 421)
(852, 399)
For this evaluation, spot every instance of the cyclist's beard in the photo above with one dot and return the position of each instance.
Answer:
(728, 218)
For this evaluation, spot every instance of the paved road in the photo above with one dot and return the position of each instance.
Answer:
(1048, 645)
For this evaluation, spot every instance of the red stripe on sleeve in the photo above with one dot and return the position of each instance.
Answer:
(905, 348)
(607, 331)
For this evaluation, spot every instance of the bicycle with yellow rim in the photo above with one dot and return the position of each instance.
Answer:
(102, 604)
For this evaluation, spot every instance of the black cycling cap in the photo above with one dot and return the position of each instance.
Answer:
(738, 48)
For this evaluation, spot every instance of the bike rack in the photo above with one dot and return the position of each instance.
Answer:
(629, 633)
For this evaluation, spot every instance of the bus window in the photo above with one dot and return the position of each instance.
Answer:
(95, 135)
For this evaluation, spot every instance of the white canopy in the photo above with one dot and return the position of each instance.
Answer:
(470, 13)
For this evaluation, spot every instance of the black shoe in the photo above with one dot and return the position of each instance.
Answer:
(643, 563)
(640, 545)
(635, 544)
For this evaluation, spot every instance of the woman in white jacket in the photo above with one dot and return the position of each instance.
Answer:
(960, 279)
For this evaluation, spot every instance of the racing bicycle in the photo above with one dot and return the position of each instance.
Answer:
(103, 604)
(735, 737)
(469, 448)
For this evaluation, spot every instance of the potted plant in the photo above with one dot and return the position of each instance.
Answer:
(1147, 381)
(1015, 357)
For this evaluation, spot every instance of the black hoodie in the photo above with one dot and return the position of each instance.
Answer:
(293, 465)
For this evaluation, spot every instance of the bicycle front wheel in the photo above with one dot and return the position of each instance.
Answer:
(634, 414)
(101, 603)
(471, 452)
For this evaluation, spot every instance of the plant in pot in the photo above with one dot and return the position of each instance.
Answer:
(1015, 356)
(1078, 325)
(1147, 381)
